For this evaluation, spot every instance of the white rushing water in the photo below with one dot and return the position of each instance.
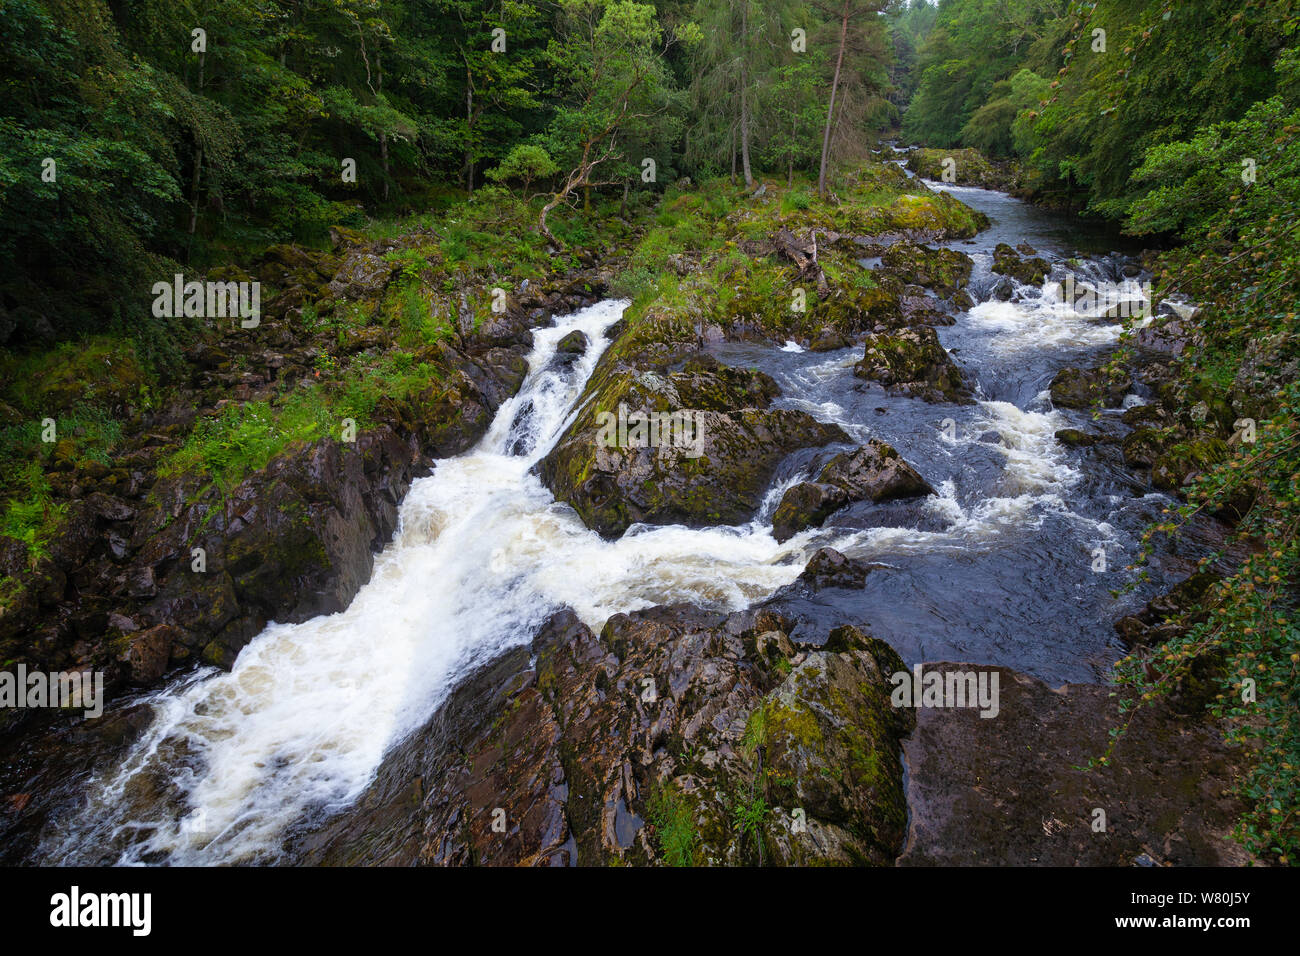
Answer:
(482, 556)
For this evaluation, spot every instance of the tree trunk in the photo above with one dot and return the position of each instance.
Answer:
(198, 171)
(830, 111)
(744, 95)
(469, 130)
(794, 138)
(733, 156)
(383, 137)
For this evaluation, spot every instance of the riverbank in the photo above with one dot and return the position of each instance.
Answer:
(768, 706)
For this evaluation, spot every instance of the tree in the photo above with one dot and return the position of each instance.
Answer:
(742, 47)
(526, 162)
(609, 55)
(867, 37)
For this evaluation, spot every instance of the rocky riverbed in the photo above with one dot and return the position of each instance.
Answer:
(478, 635)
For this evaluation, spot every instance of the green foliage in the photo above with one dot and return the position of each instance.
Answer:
(1241, 265)
(31, 515)
(1168, 70)
(671, 814)
(244, 438)
(750, 815)
(526, 162)
(1245, 629)
(973, 45)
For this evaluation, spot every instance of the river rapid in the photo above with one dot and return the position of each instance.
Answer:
(996, 568)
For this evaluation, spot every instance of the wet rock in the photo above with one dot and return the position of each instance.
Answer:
(1081, 388)
(713, 465)
(1166, 336)
(829, 340)
(636, 746)
(1142, 447)
(1167, 615)
(1007, 262)
(874, 472)
(571, 347)
(1074, 438)
(913, 362)
(148, 652)
(827, 568)
(920, 309)
(806, 505)
(1143, 415)
(1007, 791)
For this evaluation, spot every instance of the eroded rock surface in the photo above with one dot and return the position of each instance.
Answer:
(1005, 791)
(913, 362)
(674, 736)
(874, 472)
(714, 470)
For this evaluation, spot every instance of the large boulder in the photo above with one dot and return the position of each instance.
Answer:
(1082, 388)
(711, 466)
(828, 568)
(913, 362)
(675, 736)
(874, 472)
(362, 276)
(942, 270)
(1027, 271)
(1017, 791)
(806, 505)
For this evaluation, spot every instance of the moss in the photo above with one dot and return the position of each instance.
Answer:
(1172, 468)
(100, 371)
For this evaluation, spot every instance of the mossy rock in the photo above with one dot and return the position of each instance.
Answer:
(806, 505)
(1082, 388)
(1171, 470)
(1074, 438)
(913, 362)
(943, 270)
(1028, 271)
(969, 167)
(711, 468)
(101, 372)
(1143, 446)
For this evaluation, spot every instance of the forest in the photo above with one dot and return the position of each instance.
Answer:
(146, 139)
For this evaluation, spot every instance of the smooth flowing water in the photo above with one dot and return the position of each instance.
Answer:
(994, 568)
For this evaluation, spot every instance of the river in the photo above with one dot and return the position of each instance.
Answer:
(996, 568)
